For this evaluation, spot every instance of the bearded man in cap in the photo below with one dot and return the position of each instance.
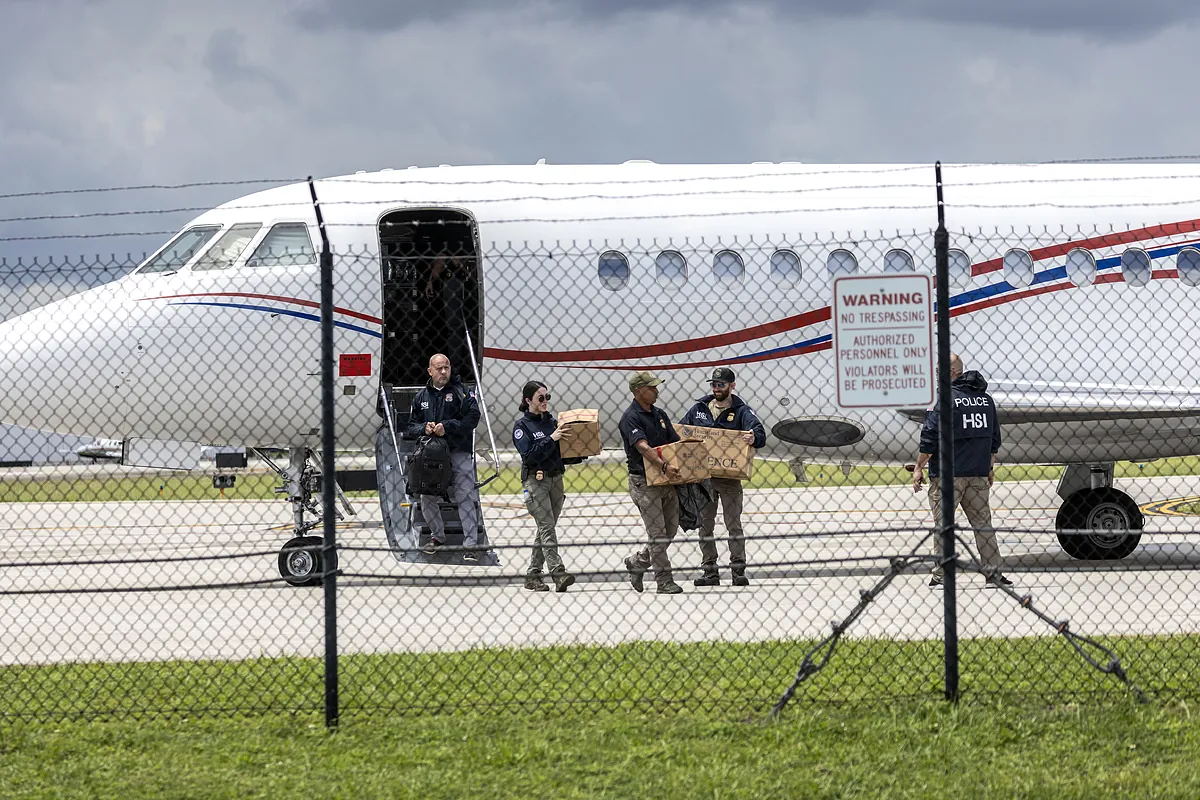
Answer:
(645, 427)
(721, 408)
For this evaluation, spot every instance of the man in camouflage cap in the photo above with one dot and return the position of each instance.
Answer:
(645, 427)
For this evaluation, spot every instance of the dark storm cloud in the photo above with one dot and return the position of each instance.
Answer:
(1114, 19)
(225, 59)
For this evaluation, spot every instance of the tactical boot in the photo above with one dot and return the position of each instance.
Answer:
(562, 579)
(534, 583)
(710, 577)
(739, 575)
(670, 588)
(635, 576)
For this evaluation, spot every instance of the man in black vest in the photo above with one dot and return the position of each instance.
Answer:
(976, 441)
(445, 408)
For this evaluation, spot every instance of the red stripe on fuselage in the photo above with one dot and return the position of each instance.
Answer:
(1107, 240)
(668, 348)
(296, 301)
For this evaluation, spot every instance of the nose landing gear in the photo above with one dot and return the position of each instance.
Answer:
(302, 560)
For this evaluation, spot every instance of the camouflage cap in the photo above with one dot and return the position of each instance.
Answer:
(643, 379)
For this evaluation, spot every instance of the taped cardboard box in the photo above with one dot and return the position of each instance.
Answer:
(728, 454)
(585, 433)
(690, 455)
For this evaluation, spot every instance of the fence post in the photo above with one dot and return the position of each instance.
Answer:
(941, 247)
(328, 471)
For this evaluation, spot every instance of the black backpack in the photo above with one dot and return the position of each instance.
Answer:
(429, 470)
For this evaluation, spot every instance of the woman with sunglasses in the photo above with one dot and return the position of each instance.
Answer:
(536, 435)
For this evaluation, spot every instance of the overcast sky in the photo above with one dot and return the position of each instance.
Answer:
(102, 93)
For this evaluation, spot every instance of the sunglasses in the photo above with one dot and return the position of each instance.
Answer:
(542, 397)
(718, 384)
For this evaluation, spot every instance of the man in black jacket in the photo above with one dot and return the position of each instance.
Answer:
(976, 441)
(445, 408)
(724, 409)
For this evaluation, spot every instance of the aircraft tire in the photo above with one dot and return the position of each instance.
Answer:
(301, 567)
(1115, 522)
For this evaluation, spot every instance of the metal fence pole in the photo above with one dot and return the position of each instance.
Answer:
(941, 244)
(328, 471)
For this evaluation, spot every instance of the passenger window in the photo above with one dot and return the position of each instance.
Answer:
(1018, 268)
(287, 245)
(1188, 264)
(1135, 266)
(1081, 267)
(671, 268)
(227, 249)
(180, 250)
(613, 270)
(841, 262)
(898, 261)
(728, 267)
(785, 267)
(960, 269)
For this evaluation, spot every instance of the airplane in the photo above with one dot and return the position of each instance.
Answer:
(1073, 288)
(97, 449)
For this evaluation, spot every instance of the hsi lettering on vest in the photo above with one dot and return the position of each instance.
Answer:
(539, 435)
(976, 421)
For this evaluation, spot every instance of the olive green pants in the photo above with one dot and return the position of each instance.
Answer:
(659, 507)
(545, 502)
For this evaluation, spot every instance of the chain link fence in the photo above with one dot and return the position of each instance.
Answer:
(164, 547)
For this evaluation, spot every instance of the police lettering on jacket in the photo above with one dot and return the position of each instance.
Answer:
(975, 426)
(453, 406)
(738, 417)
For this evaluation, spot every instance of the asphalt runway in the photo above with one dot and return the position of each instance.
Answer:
(84, 581)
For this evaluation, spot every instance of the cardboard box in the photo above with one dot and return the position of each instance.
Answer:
(690, 455)
(728, 454)
(585, 433)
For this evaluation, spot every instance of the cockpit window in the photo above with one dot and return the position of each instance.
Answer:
(180, 250)
(287, 245)
(227, 248)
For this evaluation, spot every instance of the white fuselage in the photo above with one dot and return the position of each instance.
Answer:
(232, 356)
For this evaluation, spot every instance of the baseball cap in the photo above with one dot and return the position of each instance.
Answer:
(643, 379)
(722, 374)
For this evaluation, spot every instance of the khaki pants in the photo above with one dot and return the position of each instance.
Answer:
(545, 503)
(659, 506)
(973, 496)
(729, 492)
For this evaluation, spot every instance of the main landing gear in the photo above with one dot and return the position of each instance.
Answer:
(1096, 521)
(302, 558)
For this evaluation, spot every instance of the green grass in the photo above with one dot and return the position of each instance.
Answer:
(639, 720)
(738, 678)
(581, 478)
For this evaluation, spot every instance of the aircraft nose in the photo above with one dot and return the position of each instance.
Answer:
(57, 368)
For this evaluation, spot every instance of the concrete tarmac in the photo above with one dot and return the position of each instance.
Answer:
(85, 581)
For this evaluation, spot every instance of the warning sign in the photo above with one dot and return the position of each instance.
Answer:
(883, 340)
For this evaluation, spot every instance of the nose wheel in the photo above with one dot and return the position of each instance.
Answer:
(301, 561)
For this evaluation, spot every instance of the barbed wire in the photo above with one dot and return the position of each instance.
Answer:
(474, 200)
(146, 186)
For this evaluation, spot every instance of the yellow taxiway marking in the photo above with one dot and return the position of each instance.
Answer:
(1170, 508)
